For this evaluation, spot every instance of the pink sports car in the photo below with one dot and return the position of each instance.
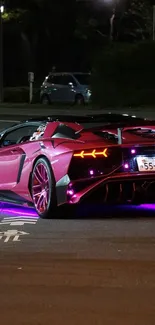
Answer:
(52, 161)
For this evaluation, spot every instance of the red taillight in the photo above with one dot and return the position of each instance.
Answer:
(93, 153)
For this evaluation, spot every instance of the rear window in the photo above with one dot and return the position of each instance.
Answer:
(83, 79)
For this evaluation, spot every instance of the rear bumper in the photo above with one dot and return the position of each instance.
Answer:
(127, 188)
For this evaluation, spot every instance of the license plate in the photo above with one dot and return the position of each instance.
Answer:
(146, 164)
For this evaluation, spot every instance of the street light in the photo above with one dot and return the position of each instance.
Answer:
(1, 51)
(2, 9)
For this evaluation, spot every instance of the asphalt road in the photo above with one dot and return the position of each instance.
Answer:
(25, 111)
(77, 270)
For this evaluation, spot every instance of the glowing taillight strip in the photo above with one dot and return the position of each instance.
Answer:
(93, 153)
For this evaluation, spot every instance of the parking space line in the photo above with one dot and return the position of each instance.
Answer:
(9, 121)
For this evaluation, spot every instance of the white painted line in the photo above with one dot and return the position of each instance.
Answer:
(12, 235)
(18, 223)
(16, 238)
(10, 121)
(19, 219)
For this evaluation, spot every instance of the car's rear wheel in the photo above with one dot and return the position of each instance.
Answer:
(45, 100)
(43, 189)
(79, 100)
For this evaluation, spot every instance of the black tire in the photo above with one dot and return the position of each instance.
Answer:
(45, 100)
(50, 211)
(79, 99)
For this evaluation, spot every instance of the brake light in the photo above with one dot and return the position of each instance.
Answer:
(94, 153)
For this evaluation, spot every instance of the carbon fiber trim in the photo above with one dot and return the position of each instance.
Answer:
(123, 192)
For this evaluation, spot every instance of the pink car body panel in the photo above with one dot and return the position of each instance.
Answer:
(16, 161)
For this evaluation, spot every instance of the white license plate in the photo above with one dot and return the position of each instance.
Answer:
(146, 164)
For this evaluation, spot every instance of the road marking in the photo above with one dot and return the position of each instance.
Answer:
(12, 235)
(9, 121)
(18, 221)
(21, 218)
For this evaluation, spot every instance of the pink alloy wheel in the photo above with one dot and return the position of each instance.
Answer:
(40, 188)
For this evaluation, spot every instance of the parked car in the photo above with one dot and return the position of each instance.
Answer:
(66, 88)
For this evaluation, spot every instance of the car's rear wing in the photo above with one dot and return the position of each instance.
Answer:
(109, 120)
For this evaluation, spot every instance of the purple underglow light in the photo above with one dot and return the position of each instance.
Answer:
(21, 213)
(126, 166)
(13, 210)
(70, 192)
(148, 206)
(73, 199)
(133, 151)
(91, 172)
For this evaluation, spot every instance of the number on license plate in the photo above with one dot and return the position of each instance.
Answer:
(146, 164)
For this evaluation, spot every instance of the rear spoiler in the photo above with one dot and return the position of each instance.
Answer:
(110, 120)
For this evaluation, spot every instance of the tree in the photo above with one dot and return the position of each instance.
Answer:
(134, 22)
(142, 9)
(44, 29)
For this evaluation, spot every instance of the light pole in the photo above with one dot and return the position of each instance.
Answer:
(112, 25)
(153, 22)
(1, 52)
(114, 4)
